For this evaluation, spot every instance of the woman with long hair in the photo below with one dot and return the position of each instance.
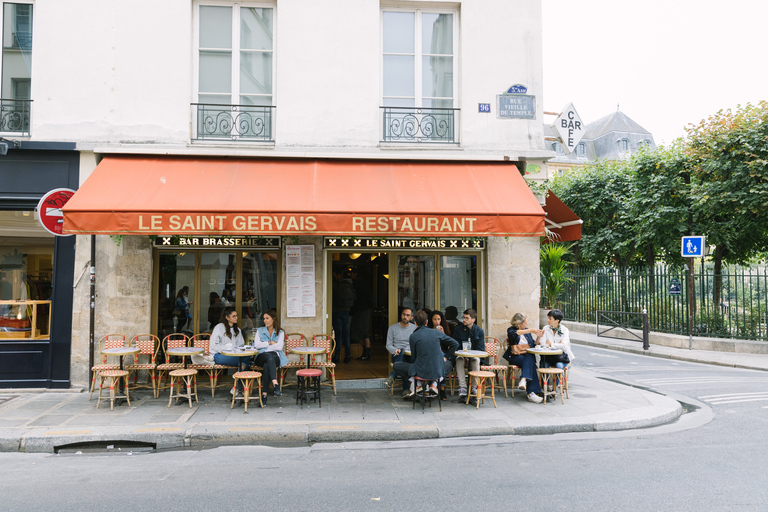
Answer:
(270, 340)
(181, 310)
(437, 321)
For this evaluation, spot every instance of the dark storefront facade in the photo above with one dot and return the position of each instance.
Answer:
(36, 268)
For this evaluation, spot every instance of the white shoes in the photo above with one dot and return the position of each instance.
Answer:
(523, 385)
(533, 397)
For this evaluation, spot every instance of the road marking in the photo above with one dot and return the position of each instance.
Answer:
(167, 429)
(67, 432)
(715, 402)
(726, 395)
(735, 398)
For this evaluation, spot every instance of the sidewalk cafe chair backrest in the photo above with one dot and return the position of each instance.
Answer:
(293, 340)
(202, 340)
(148, 345)
(511, 369)
(174, 340)
(494, 354)
(111, 341)
(325, 341)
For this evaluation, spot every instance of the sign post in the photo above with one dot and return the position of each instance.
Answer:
(691, 247)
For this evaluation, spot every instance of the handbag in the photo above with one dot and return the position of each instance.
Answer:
(176, 312)
(520, 349)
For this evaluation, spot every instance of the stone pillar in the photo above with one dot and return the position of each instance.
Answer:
(512, 282)
(123, 295)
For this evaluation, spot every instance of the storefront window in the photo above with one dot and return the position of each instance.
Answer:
(416, 282)
(177, 272)
(26, 276)
(259, 287)
(217, 287)
(458, 285)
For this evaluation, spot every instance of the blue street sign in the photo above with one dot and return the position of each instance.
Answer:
(483, 107)
(692, 247)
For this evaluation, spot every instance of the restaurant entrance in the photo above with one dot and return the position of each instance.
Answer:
(385, 283)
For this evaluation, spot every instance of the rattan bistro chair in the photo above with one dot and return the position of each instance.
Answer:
(492, 347)
(173, 340)
(511, 368)
(106, 341)
(146, 359)
(212, 369)
(323, 361)
(292, 341)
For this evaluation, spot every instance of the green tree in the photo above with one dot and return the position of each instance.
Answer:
(729, 163)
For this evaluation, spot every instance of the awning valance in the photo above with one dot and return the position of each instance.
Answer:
(561, 221)
(178, 195)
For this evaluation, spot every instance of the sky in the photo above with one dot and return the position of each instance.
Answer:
(665, 63)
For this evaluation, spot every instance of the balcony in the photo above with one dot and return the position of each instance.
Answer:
(233, 122)
(14, 116)
(420, 125)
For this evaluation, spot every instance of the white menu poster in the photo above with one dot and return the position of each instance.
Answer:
(300, 280)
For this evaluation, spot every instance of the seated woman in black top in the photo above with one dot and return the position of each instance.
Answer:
(520, 333)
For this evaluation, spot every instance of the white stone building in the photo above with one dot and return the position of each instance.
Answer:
(380, 134)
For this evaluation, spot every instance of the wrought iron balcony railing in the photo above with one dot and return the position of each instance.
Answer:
(414, 124)
(14, 116)
(233, 122)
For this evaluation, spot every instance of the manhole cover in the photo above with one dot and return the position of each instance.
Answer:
(584, 395)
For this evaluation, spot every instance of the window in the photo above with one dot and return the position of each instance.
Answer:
(16, 68)
(235, 46)
(581, 150)
(418, 89)
(623, 145)
(557, 148)
(645, 143)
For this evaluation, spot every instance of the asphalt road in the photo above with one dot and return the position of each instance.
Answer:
(713, 458)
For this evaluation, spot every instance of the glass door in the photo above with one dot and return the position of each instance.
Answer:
(176, 280)
(217, 287)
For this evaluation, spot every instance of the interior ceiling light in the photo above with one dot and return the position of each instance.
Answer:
(355, 255)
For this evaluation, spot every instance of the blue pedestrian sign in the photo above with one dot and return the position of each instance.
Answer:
(692, 247)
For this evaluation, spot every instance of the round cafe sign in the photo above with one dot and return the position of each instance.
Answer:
(49, 210)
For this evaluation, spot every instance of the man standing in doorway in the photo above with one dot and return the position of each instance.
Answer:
(470, 337)
(398, 337)
(361, 313)
(343, 298)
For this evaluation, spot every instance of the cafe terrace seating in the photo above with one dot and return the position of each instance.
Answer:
(292, 341)
(323, 361)
(106, 341)
(114, 377)
(248, 378)
(173, 340)
(212, 369)
(492, 347)
(146, 359)
(511, 369)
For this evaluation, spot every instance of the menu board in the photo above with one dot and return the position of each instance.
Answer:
(300, 280)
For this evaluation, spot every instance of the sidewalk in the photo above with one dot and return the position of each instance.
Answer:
(731, 359)
(42, 421)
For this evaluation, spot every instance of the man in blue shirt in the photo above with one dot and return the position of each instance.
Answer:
(470, 337)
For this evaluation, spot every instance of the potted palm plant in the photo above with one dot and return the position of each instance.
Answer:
(553, 267)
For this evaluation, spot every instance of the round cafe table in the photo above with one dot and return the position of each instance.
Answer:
(183, 352)
(545, 351)
(470, 354)
(308, 351)
(122, 352)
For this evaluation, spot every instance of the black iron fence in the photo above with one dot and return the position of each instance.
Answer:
(741, 310)
(233, 122)
(414, 124)
(14, 116)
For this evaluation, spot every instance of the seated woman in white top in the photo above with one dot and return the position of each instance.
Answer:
(557, 336)
(269, 340)
(227, 335)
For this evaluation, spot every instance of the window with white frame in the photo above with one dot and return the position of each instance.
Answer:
(235, 46)
(419, 49)
(623, 145)
(581, 150)
(418, 58)
(16, 67)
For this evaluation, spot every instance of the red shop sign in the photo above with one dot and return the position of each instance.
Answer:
(49, 210)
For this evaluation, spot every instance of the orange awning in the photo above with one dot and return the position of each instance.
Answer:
(179, 195)
(561, 221)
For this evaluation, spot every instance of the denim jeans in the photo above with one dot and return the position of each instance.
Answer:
(400, 358)
(527, 365)
(241, 363)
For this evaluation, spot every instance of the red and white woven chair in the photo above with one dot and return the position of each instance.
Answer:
(212, 369)
(511, 369)
(292, 341)
(174, 340)
(106, 341)
(323, 361)
(500, 370)
(146, 359)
